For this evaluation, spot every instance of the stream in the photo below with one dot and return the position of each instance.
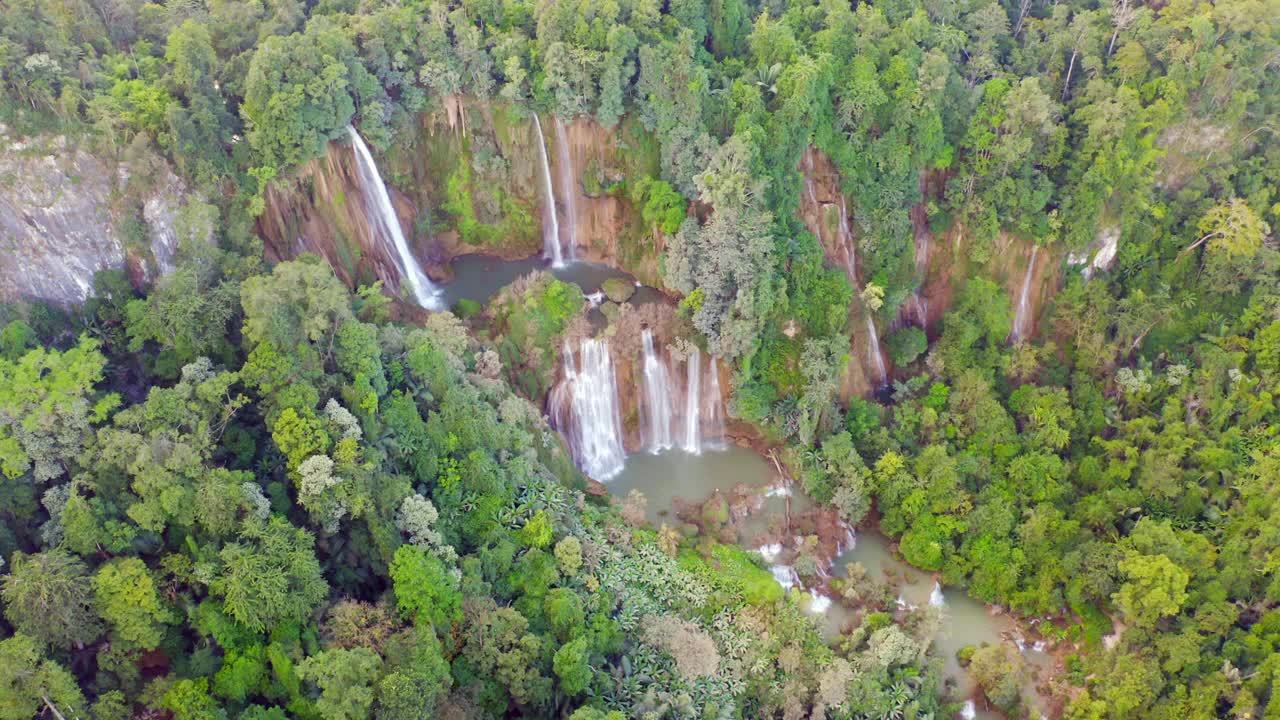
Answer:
(672, 474)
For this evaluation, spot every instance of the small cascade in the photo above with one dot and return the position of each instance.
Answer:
(657, 397)
(820, 604)
(785, 575)
(770, 552)
(388, 227)
(693, 403)
(550, 224)
(715, 408)
(568, 191)
(846, 243)
(596, 436)
(1022, 318)
(936, 598)
(968, 711)
(873, 349)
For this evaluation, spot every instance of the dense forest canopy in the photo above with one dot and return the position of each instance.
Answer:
(246, 490)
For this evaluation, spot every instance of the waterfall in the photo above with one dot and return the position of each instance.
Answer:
(851, 266)
(715, 410)
(693, 403)
(657, 397)
(388, 225)
(1021, 319)
(968, 711)
(873, 349)
(550, 225)
(596, 425)
(936, 598)
(568, 191)
(846, 242)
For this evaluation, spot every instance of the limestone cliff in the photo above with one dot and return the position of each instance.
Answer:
(66, 213)
(466, 180)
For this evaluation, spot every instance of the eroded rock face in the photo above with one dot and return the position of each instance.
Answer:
(59, 226)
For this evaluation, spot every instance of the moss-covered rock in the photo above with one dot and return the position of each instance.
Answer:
(618, 290)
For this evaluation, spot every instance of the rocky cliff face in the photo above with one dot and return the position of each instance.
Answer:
(821, 205)
(467, 180)
(66, 214)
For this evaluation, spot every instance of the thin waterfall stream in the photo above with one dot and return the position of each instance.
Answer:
(851, 266)
(1021, 318)
(550, 224)
(568, 191)
(693, 403)
(657, 397)
(384, 218)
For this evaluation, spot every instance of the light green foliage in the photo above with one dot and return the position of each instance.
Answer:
(190, 700)
(571, 666)
(345, 679)
(47, 403)
(28, 681)
(569, 555)
(48, 596)
(1154, 588)
(127, 598)
(537, 532)
(425, 589)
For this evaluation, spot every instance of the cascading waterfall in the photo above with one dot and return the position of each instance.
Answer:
(568, 193)
(550, 225)
(873, 343)
(657, 396)
(715, 407)
(693, 403)
(1022, 319)
(851, 265)
(968, 711)
(596, 424)
(388, 225)
(936, 598)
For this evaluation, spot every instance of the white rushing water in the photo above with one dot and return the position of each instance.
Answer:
(715, 408)
(657, 397)
(770, 552)
(596, 424)
(550, 224)
(936, 598)
(785, 575)
(873, 349)
(968, 711)
(1022, 319)
(384, 219)
(568, 193)
(820, 604)
(693, 402)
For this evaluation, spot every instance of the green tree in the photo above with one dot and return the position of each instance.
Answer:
(270, 576)
(47, 404)
(425, 588)
(345, 679)
(301, 90)
(1154, 587)
(128, 600)
(49, 597)
(31, 683)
